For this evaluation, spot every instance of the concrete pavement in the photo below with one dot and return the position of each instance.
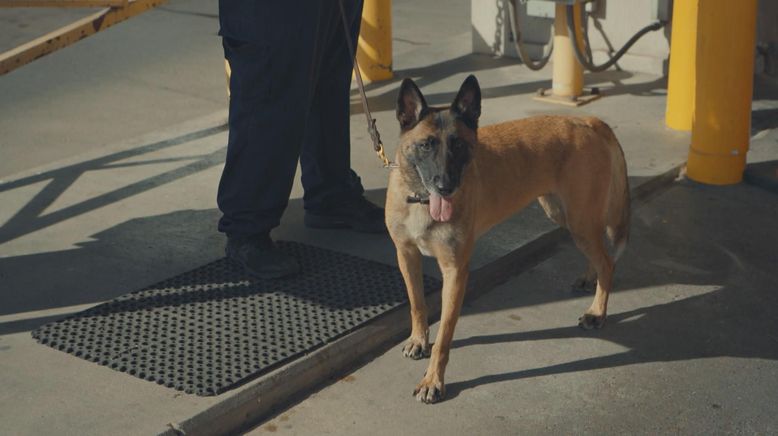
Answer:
(109, 174)
(690, 345)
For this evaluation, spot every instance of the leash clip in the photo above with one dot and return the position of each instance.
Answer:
(378, 146)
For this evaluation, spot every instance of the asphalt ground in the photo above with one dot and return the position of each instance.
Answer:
(112, 150)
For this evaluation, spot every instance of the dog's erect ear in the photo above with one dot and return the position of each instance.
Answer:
(410, 104)
(467, 105)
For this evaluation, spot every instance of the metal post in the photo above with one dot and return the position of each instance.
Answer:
(228, 73)
(724, 84)
(683, 48)
(374, 51)
(567, 78)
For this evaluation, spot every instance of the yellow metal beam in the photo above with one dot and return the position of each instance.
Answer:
(721, 124)
(63, 3)
(71, 33)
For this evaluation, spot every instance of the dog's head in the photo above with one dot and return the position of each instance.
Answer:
(436, 143)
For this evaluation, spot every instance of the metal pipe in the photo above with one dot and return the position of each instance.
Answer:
(519, 45)
(588, 63)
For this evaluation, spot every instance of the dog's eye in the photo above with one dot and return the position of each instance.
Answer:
(425, 146)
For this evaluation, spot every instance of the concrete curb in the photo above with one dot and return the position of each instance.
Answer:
(286, 385)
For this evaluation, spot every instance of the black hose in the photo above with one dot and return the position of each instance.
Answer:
(523, 56)
(588, 63)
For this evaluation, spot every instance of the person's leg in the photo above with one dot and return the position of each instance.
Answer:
(272, 80)
(333, 192)
(325, 157)
(263, 144)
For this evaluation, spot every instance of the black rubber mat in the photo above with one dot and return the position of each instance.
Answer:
(214, 328)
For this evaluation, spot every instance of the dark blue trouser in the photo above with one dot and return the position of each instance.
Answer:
(291, 75)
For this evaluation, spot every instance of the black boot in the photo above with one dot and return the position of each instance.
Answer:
(260, 257)
(358, 214)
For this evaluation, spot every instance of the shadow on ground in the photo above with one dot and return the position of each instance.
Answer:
(139, 253)
(706, 237)
(143, 251)
(31, 217)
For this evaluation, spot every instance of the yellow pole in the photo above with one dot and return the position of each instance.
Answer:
(722, 103)
(683, 46)
(567, 75)
(228, 71)
(374, 51)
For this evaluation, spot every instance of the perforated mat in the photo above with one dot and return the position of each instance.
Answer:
(214, 328)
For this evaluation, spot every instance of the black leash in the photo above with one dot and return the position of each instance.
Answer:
(378, 146)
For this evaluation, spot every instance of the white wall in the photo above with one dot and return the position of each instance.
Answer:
(619, 21)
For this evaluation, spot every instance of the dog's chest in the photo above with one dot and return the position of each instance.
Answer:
(420, 228)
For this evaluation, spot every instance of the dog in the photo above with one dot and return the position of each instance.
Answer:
(455, 180)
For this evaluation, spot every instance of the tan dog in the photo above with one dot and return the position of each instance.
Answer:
(455, 181)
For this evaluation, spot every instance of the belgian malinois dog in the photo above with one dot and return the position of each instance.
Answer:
(456, 180)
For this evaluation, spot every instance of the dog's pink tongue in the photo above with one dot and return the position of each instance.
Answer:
(440, 208)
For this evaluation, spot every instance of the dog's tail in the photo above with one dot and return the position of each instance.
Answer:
(618, 217)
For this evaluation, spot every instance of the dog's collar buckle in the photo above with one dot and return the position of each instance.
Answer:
(417, 198)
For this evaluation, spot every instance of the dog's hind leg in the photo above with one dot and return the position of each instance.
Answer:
(554, 209)
(409, 260)
(589, 239)
(587, 282)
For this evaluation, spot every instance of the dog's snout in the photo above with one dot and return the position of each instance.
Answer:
(443, 185)
(445, 191)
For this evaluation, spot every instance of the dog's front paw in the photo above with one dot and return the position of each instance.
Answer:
(430, 390)
(416, 349)
(589, 321)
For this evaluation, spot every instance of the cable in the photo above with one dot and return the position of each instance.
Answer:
(523, 56)
(588, 63)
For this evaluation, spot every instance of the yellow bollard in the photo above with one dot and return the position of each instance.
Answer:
(374, 51)
(567, 76)
(681, 83)
(725, 79)
(228, 73)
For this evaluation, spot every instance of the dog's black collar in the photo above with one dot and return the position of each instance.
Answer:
(417, 198)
